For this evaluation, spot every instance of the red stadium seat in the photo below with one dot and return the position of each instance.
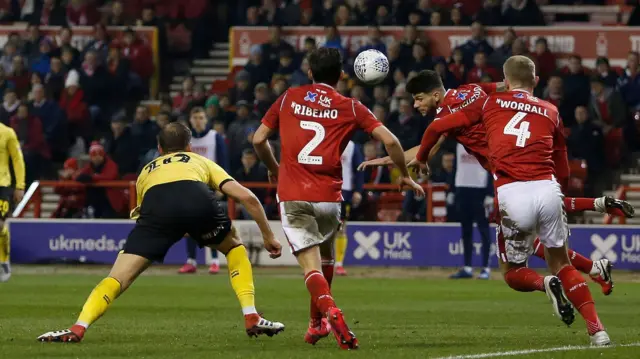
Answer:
(193, 9)
(613, 142)
(577, 177)
(389, 206)
(219, 87)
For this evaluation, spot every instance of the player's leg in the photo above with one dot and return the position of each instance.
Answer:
(241, 277)
(482, 224)
(191, 266)
(6, 195)
(341, 237)
(319, 326)
(466, 215)
(606, 204)
(214, 265)
(554, 233)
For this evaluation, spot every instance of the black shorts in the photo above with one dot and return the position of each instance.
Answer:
(170, 210)
(6, 202)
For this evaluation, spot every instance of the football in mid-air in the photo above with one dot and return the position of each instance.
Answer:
(371, 66)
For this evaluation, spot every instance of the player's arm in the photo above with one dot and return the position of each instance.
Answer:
(269, 126)
(491, 87)
(560, 157)
(135, 213)
(17, 160)
(409, 155)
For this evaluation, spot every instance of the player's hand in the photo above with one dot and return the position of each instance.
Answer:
(409, 182)
(371, 163)
(272, 246)
(18, 194)
(356, 199)
(420, 167)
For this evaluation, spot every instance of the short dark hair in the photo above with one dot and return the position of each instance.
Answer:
(425, 81)
(196, 109)
(326, 65)
(174, 137)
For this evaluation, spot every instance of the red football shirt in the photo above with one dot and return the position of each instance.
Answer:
(315, 124)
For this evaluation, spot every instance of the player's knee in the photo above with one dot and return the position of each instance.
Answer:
(231, 241)
(557, 258)
(1, 223)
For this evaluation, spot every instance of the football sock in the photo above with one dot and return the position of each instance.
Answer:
(5, 246)
(578, 293)
(241, 276)
(524, 280)
(579, 204)
(314, 313)
(327, 269)
(319, 290)
(192, 247)
(580, 262)
(341, 247)
(98, 302)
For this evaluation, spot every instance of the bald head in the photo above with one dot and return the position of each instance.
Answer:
(174, 137)
(520, 73)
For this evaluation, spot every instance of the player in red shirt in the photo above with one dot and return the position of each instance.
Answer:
(526, 142)
(430, 94)
(315, 124)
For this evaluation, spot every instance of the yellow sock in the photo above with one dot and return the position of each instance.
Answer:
(5, 245)
(241, 276)
(99, 300)
(341, 247)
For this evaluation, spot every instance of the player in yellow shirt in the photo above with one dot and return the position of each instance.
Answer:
(9, 149)
(176, 196)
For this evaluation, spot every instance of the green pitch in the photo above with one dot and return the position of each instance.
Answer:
(165, 315)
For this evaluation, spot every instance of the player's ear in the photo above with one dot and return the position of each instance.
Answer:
(535, 83)
(343, 75)
(507, 85)
(189, 148)
(160, 151)
(310, 74)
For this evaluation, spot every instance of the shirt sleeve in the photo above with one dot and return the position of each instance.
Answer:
(488, 87)
(16, 159)
(466, 117)
(560, 158)
(364, 117)
(271, 119)
(217, 175)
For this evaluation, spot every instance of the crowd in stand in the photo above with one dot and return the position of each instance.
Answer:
(65, 101)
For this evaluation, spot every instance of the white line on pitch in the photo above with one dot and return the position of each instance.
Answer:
(534, 351)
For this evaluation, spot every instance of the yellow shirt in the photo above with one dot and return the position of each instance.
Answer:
(178, 166)
(10, 147)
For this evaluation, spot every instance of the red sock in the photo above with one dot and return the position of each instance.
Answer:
(319, 290)
(582, 263)
(578, 293)
(579, 204)
(524, 280)
(314, 313)
(615, 212)
(328, 264)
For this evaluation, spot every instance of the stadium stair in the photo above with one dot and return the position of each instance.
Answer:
(632, 197)
(50, 201)
(206, 71)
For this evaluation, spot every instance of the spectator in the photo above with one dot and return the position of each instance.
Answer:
(65, 36)
(343, 16)
(309, 45)
(68, 60)
(449, 80)
(163, 119)
(140, 57)
(199, 97)
(182, 99)
(42, 63)
(276, 44)
(604, 71)
(20, 77)
(481, 69)
(522, 13)
(545, 59)
(332, 39)
(73, 104)
(6, 84)
(81, 13)
(258, 69)
(396, 62)
(456, 66)
(54, 80)
(306, 18)
(586, 141)
(32, 141)
(374, 41)
(554, 94)
(72, 199)
(212, 108)
(119, 86)
(477, 43)
(253, 17)
(31, 47)
(117, 17)
(491, 14)
(301, 76)
(103, 202)
(47, 13)
(289, 13)
(242, 90)
(144, 131)
(205, 141)
(381, 95)
(93, 76)
(100, 43)
(343, 87)
(53, 121)
(263, 99)
(416, 18)
(286, 66)
(6, 60)
(239, 133)
(252, 171)
(436, 18)
(120, 145)
(420, 59)
(410, 37)
(576, 82)
(9, 106)
(629, 82)
(607, 108)
(502, 53)
(457, 17)
(406, 125)
(519, 47)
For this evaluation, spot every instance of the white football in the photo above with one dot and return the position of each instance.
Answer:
(371, 66)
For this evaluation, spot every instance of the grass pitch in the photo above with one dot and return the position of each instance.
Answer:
(395, 314)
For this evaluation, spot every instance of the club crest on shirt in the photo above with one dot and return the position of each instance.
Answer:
(311, 96)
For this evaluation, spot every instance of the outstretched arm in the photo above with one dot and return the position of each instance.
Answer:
(463, 118)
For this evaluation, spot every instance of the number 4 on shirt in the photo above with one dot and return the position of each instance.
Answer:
(522, 132)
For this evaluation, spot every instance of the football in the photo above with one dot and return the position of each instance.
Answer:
(371, 66)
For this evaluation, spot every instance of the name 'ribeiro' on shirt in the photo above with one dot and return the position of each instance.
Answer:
(524, 107)
(303, 110)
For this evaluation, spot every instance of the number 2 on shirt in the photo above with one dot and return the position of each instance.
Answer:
(522, 132)
(304, 156)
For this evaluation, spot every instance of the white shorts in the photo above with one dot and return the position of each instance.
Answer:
(308, 224)
(529, 210)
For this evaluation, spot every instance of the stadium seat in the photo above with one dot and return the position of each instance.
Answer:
(577, 177)
(218, 87)
(613, 142)
(388, 206)
(192, 9)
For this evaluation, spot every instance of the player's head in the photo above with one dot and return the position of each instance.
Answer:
(427, 90)
(520, 73)
(198, 119)
(174, 137)
(325, 66)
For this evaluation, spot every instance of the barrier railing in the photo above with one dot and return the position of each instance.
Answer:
(34, 198)
(621, 193)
